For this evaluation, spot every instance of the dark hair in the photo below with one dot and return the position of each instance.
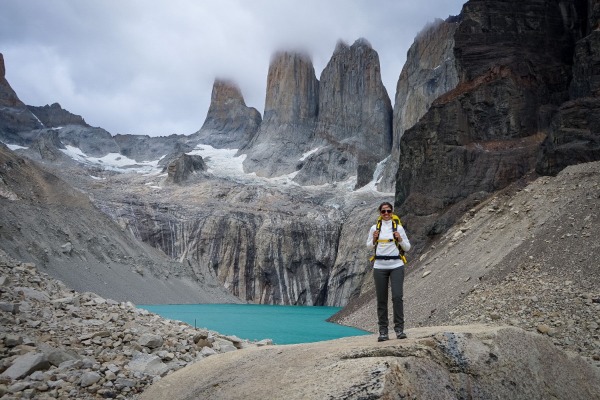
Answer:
(385, 203)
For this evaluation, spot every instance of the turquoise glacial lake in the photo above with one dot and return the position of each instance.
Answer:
(282, 324)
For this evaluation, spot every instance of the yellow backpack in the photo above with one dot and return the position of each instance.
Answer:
(395, 223)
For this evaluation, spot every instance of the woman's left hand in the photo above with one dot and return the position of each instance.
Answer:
(397, 236)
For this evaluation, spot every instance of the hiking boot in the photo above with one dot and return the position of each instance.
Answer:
(400, 334)
(383, 335)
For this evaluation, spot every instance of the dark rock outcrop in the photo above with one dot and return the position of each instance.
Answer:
(8, 97)
(514, 64)
(184, 166)
(14, 115)
(354, 126)
(575, 133)
(229, 122)
(429, 72)
(291, 107)
(147, 148)
(53, 116)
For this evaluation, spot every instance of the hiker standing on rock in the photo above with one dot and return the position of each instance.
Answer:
(389, 241)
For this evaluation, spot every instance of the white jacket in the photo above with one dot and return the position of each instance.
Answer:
(388, 248)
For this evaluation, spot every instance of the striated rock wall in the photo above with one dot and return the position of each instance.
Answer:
(575, 133)
(514, 66)
(268, 257)
(354, 126)
(429, 72)
(229, 122)
(291, 107)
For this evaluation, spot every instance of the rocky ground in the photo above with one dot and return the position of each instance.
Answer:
(448, 362)
(58, 343)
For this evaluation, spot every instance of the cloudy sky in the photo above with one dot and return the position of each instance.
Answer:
(147, 67)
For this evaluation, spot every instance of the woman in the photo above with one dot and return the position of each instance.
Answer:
(388, 269)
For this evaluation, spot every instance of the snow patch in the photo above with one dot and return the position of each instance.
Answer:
(14, 146)
(308, 153)
(223, 163)
(112, 161)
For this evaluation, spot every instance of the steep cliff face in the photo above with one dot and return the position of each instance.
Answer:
(14, 115)
(514, 66)
(262, 245)
(291, 107)
(229, 122)
(575, 133)
(354, 126)
(429, 72)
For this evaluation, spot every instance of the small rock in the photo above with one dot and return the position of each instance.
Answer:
(89, 378)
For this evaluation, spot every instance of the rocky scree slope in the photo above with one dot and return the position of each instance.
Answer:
(59, 343)
(526, 257)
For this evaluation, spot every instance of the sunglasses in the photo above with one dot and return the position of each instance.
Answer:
(386, 211)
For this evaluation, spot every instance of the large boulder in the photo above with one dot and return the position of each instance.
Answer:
(182, 168)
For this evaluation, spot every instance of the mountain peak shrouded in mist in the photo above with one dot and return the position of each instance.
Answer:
(229, 122)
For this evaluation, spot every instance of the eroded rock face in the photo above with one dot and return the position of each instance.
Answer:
(473, 361)
(429, 72)
(229, 122)
(291, 108)
(514, 67)
(354, 126)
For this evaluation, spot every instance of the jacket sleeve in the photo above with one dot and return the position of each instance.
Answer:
(370, 237)
(405, 244)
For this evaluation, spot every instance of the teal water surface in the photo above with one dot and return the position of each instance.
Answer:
(282, 324)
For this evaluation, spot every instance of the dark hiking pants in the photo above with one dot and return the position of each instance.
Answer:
(394, 278)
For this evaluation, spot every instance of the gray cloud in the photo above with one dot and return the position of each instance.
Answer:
(148, 67)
